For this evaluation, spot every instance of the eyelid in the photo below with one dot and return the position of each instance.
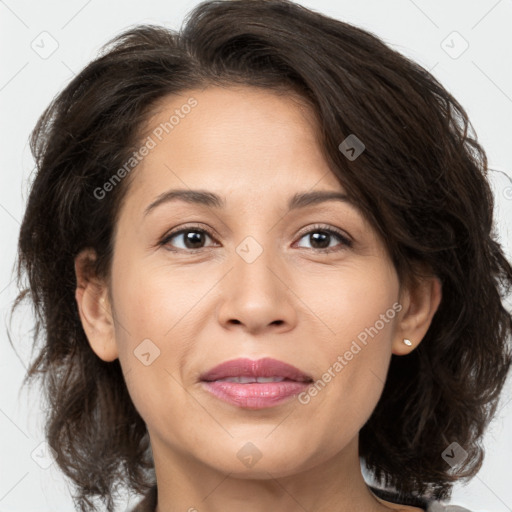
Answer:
(185, 228)
(345, 238)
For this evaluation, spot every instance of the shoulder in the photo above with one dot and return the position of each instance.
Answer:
(426, 504)
(436, 506)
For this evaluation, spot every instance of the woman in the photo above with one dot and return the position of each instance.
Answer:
(261, 251)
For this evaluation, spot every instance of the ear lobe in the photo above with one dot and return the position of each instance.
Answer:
(420, 303)
(94, 307)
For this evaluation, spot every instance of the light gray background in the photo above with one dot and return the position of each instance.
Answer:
(480, 78)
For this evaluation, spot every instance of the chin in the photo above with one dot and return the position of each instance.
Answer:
(247, 463)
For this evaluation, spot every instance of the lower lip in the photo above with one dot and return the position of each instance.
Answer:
(255, 395)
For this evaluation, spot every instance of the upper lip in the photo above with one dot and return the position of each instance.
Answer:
(266, 367)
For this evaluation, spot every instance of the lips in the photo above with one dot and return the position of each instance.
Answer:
(246, 371)
(257, 384)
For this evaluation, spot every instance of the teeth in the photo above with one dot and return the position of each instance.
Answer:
(249, 380)
(270, 379)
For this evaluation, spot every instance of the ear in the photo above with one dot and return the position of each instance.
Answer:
(94, 307)
(420, 299)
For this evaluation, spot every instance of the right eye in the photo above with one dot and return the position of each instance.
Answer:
(191, 237)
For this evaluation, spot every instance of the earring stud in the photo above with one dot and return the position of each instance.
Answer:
(408, 342)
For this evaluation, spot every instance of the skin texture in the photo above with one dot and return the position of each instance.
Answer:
(293, 303)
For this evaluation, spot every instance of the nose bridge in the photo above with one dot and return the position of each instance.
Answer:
(254, 293)
(255, 254)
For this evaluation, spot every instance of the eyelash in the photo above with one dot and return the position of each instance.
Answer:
(316, 228)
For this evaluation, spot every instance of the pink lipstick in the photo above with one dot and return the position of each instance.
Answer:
(257, 384)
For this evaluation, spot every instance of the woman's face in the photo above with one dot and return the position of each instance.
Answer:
(251, 278)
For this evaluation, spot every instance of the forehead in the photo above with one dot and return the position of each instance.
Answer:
(232, 138)
(234, 120)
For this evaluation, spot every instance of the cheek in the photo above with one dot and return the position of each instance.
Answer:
(154, 310)
(352, 300)
(153, 301)
(360, 310)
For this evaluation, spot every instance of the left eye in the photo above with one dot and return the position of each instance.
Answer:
(193, 238)
(322, 237)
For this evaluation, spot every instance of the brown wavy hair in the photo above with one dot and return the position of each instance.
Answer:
(421, 182)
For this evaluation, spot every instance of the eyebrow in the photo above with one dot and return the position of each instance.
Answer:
(211, 200)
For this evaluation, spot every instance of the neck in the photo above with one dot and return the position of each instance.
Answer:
(335, 484)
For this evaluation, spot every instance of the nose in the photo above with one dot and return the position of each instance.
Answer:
(257, 295)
